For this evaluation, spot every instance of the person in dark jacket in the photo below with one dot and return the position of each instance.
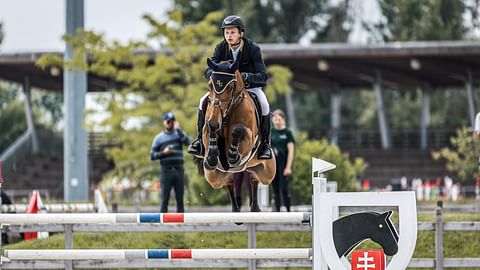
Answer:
(167, 147)
(283, 144)
(254, 75)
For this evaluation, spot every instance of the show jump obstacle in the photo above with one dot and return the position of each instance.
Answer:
(323, 220)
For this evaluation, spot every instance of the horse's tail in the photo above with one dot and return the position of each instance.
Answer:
(199, 163)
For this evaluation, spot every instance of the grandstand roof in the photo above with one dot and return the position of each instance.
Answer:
(318, 66)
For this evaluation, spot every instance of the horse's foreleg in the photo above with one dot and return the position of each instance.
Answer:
(211, 159)
(238, 133)
(253, 196)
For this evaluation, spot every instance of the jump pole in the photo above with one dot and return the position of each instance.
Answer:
(164, 218)
(124, 254)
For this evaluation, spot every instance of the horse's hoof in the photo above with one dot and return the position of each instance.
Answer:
(255, 209)
(234, 161)
(238, 223)
(208, 166)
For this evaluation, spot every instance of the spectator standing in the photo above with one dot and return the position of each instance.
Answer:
(283, 144)
(167, 147)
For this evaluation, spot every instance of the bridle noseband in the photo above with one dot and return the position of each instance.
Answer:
(232, 101)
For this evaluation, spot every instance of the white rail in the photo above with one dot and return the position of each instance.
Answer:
(123, 254)
(174, 218)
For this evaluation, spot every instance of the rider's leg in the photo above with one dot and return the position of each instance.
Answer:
(196, 148)
(265, 151)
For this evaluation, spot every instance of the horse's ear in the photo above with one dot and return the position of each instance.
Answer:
(386, 215)
(211, 64)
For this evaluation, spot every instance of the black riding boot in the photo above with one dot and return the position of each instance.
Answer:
(196, 148)
(265, 151)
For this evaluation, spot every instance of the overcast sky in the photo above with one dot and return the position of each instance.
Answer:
(32, 25)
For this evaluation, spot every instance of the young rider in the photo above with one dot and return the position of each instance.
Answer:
(253, 73)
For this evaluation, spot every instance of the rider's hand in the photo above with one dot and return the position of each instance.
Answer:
(287, 172)
(244, 76)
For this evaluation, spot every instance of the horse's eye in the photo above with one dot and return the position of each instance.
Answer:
(380, 226)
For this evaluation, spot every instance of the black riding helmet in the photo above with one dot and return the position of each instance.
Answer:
(233, 21)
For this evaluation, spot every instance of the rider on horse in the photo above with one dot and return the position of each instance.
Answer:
(254, 75)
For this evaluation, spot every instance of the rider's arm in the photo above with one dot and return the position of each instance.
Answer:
(260, 76)
(217, 55)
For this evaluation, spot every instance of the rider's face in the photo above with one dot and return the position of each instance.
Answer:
(232, 35)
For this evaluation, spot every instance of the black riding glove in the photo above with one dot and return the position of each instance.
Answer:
(245, 77)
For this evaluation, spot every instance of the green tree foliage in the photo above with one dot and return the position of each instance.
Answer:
(1, 33)
(345, 174)
(463, 158)
(420, 20)
(12, 124)
(48, 107)
(267, 20)
(12, 116)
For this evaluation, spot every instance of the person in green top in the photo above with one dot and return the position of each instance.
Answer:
(283, 145)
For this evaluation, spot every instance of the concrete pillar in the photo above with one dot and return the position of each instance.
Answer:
(27, 91)
(382, 119)
(425, 116)
(74, 91)
(469, 89)
(335, 115)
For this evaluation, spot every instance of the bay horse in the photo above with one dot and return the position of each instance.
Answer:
(231, 134)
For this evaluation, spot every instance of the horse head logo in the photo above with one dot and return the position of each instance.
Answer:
(340, 236)
(350, 231)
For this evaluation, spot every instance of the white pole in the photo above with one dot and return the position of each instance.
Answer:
(173, 218)
(123, 254)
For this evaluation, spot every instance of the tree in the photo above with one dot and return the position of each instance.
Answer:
(266, 20)
(463, 158)
(1, 33)
(420, 20)
(345, 174)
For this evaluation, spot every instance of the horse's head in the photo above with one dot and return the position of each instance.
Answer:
(225, 86)
(385, 233)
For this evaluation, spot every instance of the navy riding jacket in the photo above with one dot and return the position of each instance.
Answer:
(251, 62)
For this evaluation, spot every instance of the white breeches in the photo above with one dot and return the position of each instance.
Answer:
(262, 99)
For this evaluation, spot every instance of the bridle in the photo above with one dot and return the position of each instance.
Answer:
(232, 100)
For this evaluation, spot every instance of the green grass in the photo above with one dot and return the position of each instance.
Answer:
(456, 244)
